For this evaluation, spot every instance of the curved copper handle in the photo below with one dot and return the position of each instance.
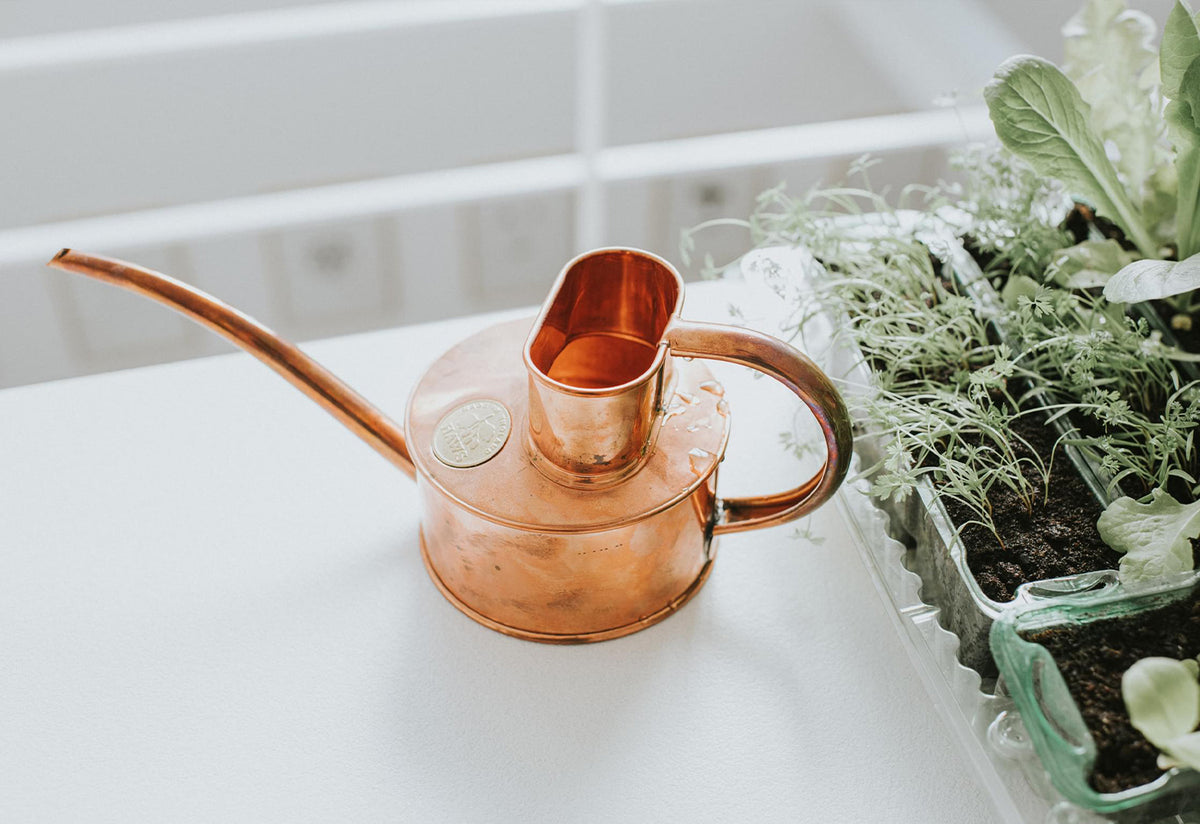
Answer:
(383, 434)
(803, 377)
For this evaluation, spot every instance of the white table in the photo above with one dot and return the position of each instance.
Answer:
(213, 609)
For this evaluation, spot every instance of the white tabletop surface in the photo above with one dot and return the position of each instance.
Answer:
(213, 609)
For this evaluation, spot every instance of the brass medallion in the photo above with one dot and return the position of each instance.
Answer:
(472, 433)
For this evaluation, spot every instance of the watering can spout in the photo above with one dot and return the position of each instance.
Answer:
(383, 434)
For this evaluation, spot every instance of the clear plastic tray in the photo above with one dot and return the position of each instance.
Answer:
(1052, 720)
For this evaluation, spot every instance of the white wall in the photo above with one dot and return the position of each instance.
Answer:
(342, 166)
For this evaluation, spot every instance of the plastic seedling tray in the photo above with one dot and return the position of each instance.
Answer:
(932, 610)
(1050, 718)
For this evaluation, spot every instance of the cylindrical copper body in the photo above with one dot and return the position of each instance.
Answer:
(567, 587)
(533, 557)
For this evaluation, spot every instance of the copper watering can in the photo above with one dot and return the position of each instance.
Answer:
(566, 470)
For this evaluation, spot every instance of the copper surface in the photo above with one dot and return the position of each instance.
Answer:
(589, 637)
(570, 586)
(596, 517)
(509, 491)
(597, 363)
(377, 429)
(598, 366)
(537, 559)
(804, 378)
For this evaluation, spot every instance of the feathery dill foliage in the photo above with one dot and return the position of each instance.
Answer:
(1015, 214)
(1109, 372)
(941, 387)
(1136, 416)
(940, 396)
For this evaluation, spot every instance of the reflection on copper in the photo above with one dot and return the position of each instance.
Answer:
(596, 517)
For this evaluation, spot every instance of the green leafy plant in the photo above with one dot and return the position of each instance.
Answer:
(1155, 537)
(1116, 380)
(1111, 58)
(1041, 117)
(953, 380)
(1063, 131)
(940, 393)
(1162, 697)
(1011, 214)
(1087, 265)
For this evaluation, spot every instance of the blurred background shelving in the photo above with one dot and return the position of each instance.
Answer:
(337, 167)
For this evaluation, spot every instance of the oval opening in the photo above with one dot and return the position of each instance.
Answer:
(605, 321)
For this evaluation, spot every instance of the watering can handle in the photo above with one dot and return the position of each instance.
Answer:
(794, 370)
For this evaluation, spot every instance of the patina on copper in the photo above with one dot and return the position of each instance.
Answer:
(589, 510)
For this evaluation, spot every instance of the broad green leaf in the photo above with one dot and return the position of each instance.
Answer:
(1110, 55)
(1184, 751)
(1088, 264)
(1183, 123)
(1154, 537)
(1153, 279)
(1162, 697)
(1187, 210)
(1159, 198)
(1180, 46)
(1039, 115)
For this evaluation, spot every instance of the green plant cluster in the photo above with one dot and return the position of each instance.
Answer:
(1120, 128)
(1115, 379)
(1092, 203)
(1108, 371)
(1014, 214)
(942, 388)
(1163, 699)
(940, 393)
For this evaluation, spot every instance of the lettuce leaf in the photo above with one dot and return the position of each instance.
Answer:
(1153, 279)
(1110, 56)
(1183, 124)
(1155, 537)
(1180, 46)
(1040, 116)
(1088, 264)
(1162, 697)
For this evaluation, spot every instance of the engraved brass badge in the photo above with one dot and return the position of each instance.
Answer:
(472, 433)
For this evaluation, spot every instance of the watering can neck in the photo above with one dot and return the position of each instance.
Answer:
(599, 366)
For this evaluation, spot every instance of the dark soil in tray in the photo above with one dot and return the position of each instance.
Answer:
(1184, 327)
(1092, 659)
(1058, 537)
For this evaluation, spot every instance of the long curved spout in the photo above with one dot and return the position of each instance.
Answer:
(383, 434)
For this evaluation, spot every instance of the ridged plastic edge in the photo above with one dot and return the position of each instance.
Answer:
(933, 650)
